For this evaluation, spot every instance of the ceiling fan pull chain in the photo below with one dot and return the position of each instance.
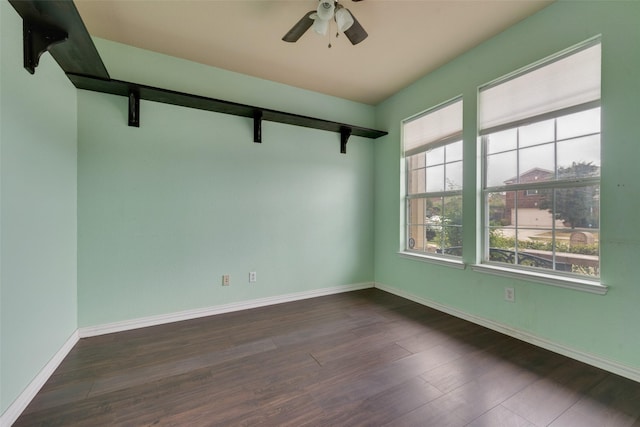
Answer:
(337, 34)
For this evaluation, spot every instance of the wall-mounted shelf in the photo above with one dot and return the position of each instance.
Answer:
(136, 91)
(56, 26)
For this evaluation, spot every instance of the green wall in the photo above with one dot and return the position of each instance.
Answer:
(166, 209)
(604, 326)
(38, 304)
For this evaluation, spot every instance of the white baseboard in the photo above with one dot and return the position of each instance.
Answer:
(22, 401)
(608, 365)
(144, 322)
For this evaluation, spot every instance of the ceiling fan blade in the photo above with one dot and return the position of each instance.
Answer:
(355, 33)
(300, 28)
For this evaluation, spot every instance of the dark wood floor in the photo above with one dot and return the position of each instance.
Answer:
(354, 359)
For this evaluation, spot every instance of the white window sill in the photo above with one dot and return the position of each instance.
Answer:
(440, 260)
(547, 279)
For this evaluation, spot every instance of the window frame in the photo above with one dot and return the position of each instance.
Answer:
(547, 276)
(457, 137)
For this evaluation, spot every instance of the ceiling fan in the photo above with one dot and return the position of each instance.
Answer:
(320, 19)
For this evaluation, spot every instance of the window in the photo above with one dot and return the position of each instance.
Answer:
(540, 134)
(432, 144)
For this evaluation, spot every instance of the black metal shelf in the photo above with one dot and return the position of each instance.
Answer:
(56, 26)
(149, 93)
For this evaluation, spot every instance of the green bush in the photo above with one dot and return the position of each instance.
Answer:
(498, 240)
(585, 250)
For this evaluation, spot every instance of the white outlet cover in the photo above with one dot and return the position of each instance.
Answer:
(509, 294)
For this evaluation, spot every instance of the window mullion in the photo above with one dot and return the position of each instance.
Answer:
(435, 194)
(543, 185)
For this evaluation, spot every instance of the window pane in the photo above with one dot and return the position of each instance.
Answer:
(433, 235)
(536, 164)
(579, 157)
(452, 226)
(435, 178)
(435, 156)
(434, 221)
(501, 245)
(499, 214)
(536, 133)
(501, 168)
(416, 161)
(578, 207)
(453, 210)
(533, 210)
(415, 220)
(582, 123)
(577, 244)
(452, 240)
(415, 238)
(504, 255)
(454, 176)
(416, 184)
(434, 209)
(578, 250)
(502, 229)
(502, 141)
(578, 257)
(535, 248)
(415, 211)
(454, 151)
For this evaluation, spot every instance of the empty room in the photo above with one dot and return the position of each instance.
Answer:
(319, 213)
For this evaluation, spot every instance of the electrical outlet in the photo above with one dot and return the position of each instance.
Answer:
(253, 277)
(509, 294)
(226, 280)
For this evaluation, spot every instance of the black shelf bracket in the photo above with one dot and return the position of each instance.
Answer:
(345, 133)
(47, 23)
(257, 126)
(134, 108)
(37, 39)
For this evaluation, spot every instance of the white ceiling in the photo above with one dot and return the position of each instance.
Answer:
(407, 39)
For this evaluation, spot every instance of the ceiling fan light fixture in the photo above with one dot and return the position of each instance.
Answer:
(343, 19)
(325, 9)
(320, 26)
